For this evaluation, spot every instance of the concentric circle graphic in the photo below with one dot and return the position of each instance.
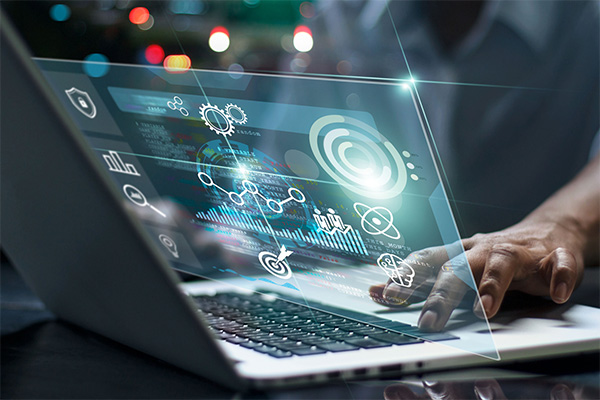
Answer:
(280, 269)
(358, 157)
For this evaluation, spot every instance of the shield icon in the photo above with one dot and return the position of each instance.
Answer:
(82, 102)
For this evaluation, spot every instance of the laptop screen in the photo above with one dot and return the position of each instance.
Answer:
(307, 188)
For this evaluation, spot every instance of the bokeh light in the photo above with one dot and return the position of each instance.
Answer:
(60, 12)
(344, 67)
(307, 9)
(148, 24)
(235, 71)
(154, 54)
(139, 15)
(177, 63)
(219, 39)
(96, 65)
(303, 40)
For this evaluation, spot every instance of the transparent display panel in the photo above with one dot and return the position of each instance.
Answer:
(310, 189)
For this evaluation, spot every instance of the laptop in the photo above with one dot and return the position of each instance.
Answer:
(285, 198)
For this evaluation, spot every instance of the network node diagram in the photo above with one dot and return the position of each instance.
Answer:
(177, 104)
(250, 188)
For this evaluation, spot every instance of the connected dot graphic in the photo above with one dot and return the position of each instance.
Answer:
(251, 188)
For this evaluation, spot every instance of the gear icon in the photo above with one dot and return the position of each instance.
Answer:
(221, 123)
(241, 119)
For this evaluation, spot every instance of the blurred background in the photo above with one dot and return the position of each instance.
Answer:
(237, 35)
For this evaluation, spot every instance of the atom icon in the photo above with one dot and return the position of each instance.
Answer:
(377, 220)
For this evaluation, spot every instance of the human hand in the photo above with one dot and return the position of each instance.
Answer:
(537, 257)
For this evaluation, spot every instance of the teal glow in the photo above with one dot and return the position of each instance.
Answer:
(60, 12)
(96, 65)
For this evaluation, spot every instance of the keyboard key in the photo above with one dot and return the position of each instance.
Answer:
(337, 346)
(307, 351)
(338, 335)
(366, 343)
(224, 335)
(393, 338)
(432, 336)
(265, 349)
(280, 353)
(291, 346)
(250, 344)
(236, 340)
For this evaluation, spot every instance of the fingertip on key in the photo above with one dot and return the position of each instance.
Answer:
(428, 321)
(487, 301)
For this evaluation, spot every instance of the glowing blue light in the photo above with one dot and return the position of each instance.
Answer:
(60, 12)
(96, 65)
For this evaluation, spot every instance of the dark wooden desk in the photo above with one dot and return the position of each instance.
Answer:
(43, 358)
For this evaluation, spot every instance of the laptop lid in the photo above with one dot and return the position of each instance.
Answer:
(64, 229)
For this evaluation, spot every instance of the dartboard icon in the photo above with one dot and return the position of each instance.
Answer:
(280, 269)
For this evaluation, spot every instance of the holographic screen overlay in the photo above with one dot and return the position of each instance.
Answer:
(305, 196)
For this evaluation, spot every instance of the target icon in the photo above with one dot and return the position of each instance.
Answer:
(358, 157)
(272, 263)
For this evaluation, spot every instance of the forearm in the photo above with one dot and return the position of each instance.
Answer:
(576, 207)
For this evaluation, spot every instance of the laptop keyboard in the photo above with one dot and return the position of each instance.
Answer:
(283, 329)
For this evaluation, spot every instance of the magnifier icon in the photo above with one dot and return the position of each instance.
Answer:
(137, 197)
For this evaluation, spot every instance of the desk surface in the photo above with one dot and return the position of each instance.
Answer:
(44, 358)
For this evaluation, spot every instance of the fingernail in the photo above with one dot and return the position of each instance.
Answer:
(477, 310)
(487, 301)
(560, 293)
(484, 392)
(428, 320)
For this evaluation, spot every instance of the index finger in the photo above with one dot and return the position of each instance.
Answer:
(426, 264)
(445, 296)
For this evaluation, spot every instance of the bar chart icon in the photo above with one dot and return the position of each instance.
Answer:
(351, 242)
(116, 164)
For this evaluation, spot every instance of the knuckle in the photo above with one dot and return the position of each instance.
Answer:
(477, 237)
(438, 297)
(504, 250)
(492, 281)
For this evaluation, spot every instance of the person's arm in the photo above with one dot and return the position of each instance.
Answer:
(543, 255)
